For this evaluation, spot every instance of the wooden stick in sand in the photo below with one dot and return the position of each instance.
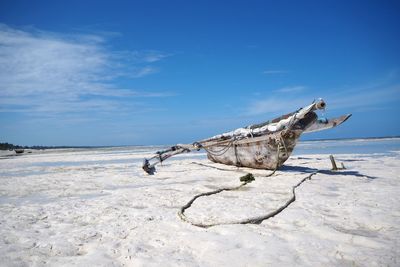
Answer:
(334, 167)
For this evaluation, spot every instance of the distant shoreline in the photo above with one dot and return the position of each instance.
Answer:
(13, 147)
(353, 138)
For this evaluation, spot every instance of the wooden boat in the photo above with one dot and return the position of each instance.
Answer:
(19, 150)
(262, 146)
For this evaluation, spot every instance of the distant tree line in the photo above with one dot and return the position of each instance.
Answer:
(7, 146)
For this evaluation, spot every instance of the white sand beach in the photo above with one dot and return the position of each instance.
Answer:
(96, 207)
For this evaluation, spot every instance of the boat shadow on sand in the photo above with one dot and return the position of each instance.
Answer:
(288, 168)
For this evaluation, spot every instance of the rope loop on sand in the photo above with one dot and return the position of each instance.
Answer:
(254, 220)
(248, 178)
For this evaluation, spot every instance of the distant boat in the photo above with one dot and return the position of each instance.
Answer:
(19, 150)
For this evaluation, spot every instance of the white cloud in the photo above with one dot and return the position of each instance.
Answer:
(366, 99)
(154, 56)
(280, 100)
(144, 71)
(369, 97)
(49, 72)
(276, 104)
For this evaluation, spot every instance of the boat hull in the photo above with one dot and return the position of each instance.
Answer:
(264, 152)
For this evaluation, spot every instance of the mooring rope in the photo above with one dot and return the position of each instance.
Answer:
(249, 178)
(254, 220)
(238, 169)
(219, 152)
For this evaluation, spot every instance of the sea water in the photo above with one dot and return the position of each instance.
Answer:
(348, 146)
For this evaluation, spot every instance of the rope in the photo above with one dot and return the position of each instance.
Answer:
(231, 170)
(238, 162)
(181, 212)
(217, 168)
(255, 220)
(220, 152)
(281, 141)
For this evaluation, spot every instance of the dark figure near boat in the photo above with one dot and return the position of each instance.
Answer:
(19, 150)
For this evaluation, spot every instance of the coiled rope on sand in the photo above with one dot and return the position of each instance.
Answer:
(248, 178)
(253, 220)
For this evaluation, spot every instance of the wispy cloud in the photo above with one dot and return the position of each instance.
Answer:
(275, 104)
(291, 89)
(154, 56)
(279, 100)
(372, 96)
(366, 99)
(49, 72)
(271, 72)
(144, 71)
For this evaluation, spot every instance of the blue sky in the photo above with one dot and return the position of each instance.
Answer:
(164, 72)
